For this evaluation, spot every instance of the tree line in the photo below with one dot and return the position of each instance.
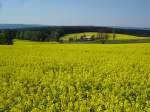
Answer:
(6, 37)
(40, 35)
(54, 33)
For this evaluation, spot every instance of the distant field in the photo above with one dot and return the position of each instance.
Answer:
(118, 36)
(46, 77)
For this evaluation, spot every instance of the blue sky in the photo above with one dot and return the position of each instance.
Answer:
(128, 13)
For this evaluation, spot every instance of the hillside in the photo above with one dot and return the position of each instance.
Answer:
(118, 36)
(19, 26)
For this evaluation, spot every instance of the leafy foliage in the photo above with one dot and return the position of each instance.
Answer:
(6, 37)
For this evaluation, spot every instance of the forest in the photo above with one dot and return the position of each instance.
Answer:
(46, 34)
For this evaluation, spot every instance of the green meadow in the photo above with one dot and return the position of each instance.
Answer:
(52, 77)
(118, 36)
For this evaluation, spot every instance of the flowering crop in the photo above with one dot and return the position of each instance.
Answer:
(75, 78)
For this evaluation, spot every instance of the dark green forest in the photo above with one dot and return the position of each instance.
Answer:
(54, 33)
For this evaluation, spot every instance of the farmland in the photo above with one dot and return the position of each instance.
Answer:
(118, 36)
(53, 77)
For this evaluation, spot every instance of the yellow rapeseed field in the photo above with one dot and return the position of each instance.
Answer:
(47, 77)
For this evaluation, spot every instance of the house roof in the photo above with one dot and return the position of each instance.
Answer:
(87, 37)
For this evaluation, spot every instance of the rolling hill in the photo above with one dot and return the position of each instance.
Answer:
(19, 26)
